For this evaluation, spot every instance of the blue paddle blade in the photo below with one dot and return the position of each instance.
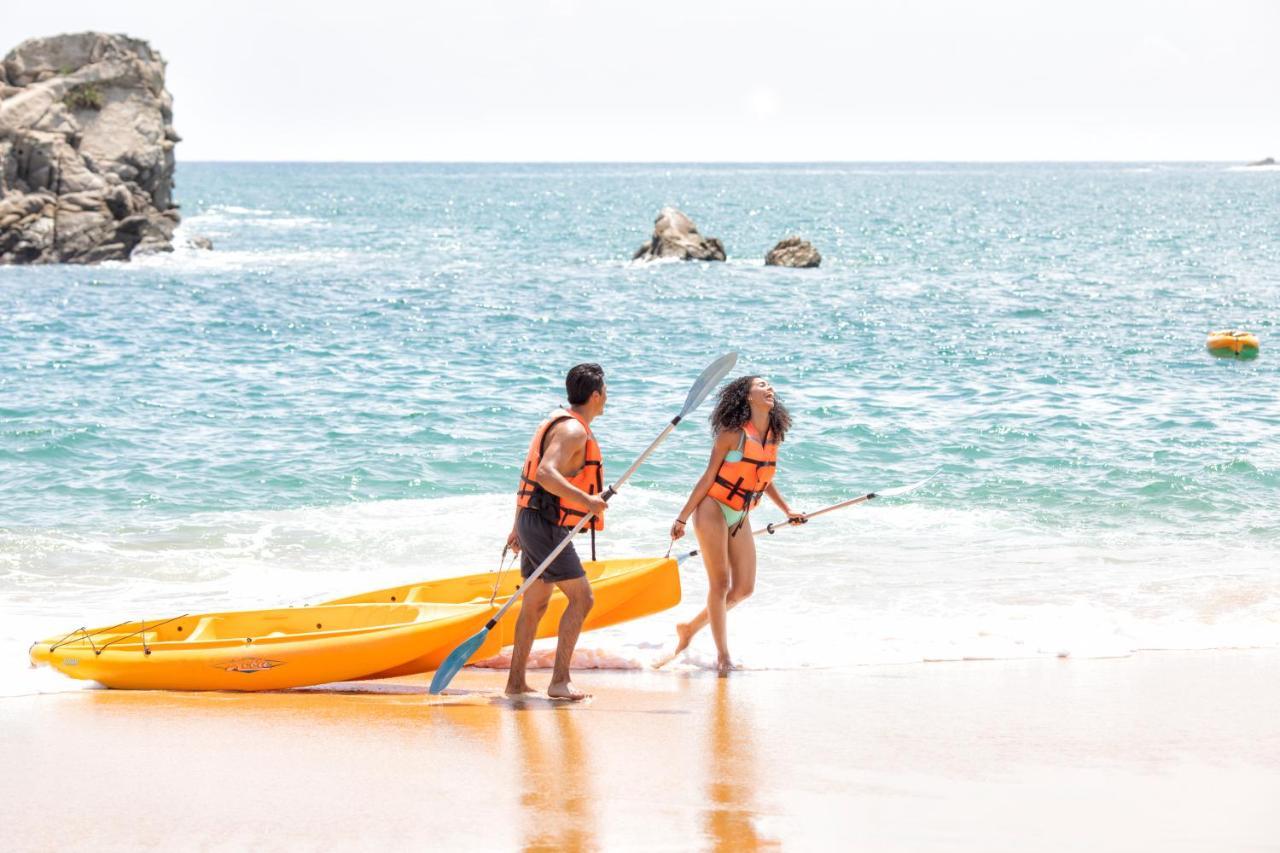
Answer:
(708, 380)
(456, 660)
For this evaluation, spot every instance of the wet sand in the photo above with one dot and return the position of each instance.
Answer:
(1161, 751)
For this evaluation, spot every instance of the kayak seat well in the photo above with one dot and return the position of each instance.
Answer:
(428, 595)
(205, 629)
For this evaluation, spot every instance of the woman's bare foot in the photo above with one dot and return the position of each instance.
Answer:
(566, 690)
(724, 666)
(683, 637)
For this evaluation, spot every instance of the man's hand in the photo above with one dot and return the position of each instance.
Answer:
(595, 504)
(513, 541)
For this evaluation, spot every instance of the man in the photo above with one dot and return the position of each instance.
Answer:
(561, 482)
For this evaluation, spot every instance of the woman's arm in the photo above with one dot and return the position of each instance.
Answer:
(724, 442)
(776, 496)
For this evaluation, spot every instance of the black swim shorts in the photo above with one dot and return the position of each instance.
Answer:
(538, 538)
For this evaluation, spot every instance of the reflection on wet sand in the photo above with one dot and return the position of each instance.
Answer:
(390, 709)
(555, 797)
(731, 812)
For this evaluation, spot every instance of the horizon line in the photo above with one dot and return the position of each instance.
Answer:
(1154, 161)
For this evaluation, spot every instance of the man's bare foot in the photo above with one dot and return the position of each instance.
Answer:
(566, 690)
(683, 637)
(519, 689)
(724, 666)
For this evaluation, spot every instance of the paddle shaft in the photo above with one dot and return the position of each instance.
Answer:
(894, 492)
(564, 543)
(769, 528)
(773, 528)
(883, 493)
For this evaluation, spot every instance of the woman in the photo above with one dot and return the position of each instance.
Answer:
(749, 424)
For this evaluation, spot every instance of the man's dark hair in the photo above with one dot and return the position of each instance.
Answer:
(582, 381)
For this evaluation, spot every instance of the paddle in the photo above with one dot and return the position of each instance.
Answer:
(458, 658)
(887, 493)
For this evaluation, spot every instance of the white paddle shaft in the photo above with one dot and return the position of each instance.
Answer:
(775, 527)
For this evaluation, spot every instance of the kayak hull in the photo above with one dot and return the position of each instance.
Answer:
(402, 630)
(623, 590)
(261, 650)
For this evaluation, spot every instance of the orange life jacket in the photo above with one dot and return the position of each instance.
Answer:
(740, 485)
(590, 478)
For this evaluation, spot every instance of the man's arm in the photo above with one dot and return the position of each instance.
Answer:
(566, 450)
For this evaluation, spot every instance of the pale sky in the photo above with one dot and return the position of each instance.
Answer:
(536, 80)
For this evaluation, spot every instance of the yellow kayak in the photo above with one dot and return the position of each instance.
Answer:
(401, 630)
(623, 590)
(265, 649)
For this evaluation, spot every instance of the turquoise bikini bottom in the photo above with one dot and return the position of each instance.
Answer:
(731, 516)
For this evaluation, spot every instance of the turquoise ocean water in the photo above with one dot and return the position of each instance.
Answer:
(340, 394)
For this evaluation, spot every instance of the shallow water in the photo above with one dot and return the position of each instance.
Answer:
(339, 395)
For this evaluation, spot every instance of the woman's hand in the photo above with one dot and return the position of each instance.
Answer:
(796, 517)
(677, 529)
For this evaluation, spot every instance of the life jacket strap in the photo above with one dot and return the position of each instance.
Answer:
(734, 488)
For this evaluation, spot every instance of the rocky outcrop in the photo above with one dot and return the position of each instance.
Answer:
(86, 151)
(793, 252)
(675, 236)
(1266, 161)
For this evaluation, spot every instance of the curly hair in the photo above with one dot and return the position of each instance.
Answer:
(732, 410)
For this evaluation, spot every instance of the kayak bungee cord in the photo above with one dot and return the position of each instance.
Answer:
(143, 631)
(85, 634)
(702, 386)
(501, 569)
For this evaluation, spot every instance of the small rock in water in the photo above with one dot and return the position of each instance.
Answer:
(793, 252)
(675, 236)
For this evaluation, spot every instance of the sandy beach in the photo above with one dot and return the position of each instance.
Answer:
(322, 326)
(1161, 751)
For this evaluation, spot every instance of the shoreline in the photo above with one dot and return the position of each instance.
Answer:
(1162, 750)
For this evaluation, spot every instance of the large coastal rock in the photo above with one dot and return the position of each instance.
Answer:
(675, 236)
(86, 151)
(1266, 161)
(793, 252)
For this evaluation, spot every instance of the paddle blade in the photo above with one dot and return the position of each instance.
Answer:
(456, 660)
(902, 490)
(709, 379)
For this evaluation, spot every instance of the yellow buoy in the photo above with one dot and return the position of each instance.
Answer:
(1232, 343)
